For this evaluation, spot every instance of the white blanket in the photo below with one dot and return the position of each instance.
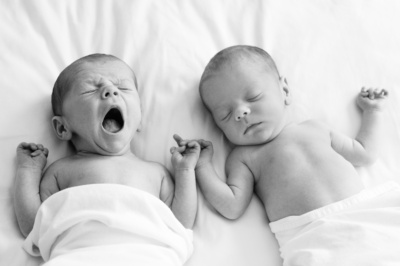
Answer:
(108, 224)
(361, 230)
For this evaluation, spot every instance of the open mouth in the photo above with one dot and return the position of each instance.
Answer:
(113, 121)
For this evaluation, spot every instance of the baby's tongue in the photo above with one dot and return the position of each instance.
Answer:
(111, 125)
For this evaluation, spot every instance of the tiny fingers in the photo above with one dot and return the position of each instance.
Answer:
(204, 143)
(383, 93)
(177, 138)
(33, 146)
(183, 142)
(194, 144)
(177, 149)
(373, 93)
(36, 153)
(33, 149)
(22, 145)
(180, 141)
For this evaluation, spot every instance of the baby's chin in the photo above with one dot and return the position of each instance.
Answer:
(246, 142)
(113, 150)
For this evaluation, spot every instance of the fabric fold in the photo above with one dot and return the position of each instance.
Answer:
(108, 224)
(361, 230)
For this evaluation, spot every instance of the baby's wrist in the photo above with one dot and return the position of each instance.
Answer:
(184, 173)
(29, 169)
(184, 169)
(28, 176)
(373, 111)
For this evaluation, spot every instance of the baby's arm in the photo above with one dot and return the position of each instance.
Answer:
(184, 202)
(230, 198)
(31, 159)
(363, 149)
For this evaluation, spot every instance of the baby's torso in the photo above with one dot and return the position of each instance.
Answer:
(299, 171)
(124, 170)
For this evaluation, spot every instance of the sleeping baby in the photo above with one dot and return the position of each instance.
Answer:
(303, 173)
(103, 204)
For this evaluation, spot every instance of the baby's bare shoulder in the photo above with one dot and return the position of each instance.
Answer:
(49, 183)
(63, 163)
(242, 153)
(156, 168)
(314, 125)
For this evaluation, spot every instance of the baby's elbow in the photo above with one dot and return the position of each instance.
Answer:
(25, 229)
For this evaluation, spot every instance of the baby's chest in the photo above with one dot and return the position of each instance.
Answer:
(124, 173)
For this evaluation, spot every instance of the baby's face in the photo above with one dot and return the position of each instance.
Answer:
(246, 102)
(102, 108)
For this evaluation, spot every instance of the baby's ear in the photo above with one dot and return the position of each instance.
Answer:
(61, 128)
(286, 90)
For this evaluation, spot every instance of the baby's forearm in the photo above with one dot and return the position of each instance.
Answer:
(220, 195)
(184, 205)
(369, 133)
(26, 198)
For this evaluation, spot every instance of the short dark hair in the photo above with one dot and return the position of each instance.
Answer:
(231, 54)
(64, 81)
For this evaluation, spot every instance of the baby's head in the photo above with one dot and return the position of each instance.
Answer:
(96, 105)
(245, 94)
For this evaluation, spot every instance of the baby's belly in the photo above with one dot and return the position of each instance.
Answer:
(302, 192)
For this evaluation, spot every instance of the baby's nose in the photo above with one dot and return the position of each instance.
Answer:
(109, 91)
(242, 113)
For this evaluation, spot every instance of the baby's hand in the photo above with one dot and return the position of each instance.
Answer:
(32, 156)
(206, 153)
(186, 155)
(372, 99)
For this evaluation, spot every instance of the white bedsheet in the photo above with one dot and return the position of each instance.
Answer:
(326, 49)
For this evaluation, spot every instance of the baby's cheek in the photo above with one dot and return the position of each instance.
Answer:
(232, 134)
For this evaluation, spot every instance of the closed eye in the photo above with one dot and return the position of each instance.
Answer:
(226, 117)
(255, 98)
(89, 91)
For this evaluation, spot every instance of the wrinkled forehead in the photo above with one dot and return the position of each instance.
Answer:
(110, 68)
(96, 72)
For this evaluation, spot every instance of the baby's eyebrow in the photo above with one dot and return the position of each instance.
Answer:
(249, 90)
(124, 80)
(99, 81)
(93, 80)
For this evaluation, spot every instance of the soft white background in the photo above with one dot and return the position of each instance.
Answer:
(326, 49)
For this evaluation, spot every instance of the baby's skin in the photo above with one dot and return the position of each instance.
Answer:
(292, 167)
(101, 115)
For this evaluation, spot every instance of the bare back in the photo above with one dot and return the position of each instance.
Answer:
(299, 171)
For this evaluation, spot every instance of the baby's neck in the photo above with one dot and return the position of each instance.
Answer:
(287, 119)
(85, 153)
